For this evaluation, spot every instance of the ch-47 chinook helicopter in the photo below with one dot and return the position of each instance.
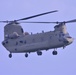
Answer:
(18, 41)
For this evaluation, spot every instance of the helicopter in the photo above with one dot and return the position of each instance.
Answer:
(18, 41)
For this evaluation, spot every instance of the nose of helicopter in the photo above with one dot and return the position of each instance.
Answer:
(69, 40)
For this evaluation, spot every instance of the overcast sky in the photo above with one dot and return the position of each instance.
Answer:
(47, 64)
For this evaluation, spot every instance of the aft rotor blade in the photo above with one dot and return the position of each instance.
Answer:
(70, 21)
(37, 15)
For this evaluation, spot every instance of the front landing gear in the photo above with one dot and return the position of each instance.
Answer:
(10, 55)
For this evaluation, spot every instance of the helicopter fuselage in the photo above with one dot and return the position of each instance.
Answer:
(37, 42)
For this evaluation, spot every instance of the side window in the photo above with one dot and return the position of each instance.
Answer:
(16, 43)
(42, 39)
(6, 42)
(55, 34)
(33, 40)
(25, 41)
(50, 37)
(21, 41)
(60, 35)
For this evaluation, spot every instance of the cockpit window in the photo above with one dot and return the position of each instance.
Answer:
(22, 30)
(69, 37)
(61, 34)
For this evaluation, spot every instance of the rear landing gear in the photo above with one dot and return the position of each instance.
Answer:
(39, 53)
(10, 55)
(54, 52)
(26, 55)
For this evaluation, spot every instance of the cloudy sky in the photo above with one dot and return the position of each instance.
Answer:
(47, 64)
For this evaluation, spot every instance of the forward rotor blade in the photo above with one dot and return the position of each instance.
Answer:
(4, 21)
(37, 15)
(38, 22)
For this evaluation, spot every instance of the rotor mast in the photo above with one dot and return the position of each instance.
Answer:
(61, 27)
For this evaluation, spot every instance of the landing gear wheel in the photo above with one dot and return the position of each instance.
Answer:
(10, 55)
(39, 53)
(54, 53)
(26, 55)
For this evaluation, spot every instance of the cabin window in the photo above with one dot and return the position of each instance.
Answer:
(42, 39)
(15, 49)
(55, 34)
(60, 40)
(3, 43)
(33, 40)
(21, 41)
(7, 42)
(50, 37)
(59, 35)
(25, 41)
